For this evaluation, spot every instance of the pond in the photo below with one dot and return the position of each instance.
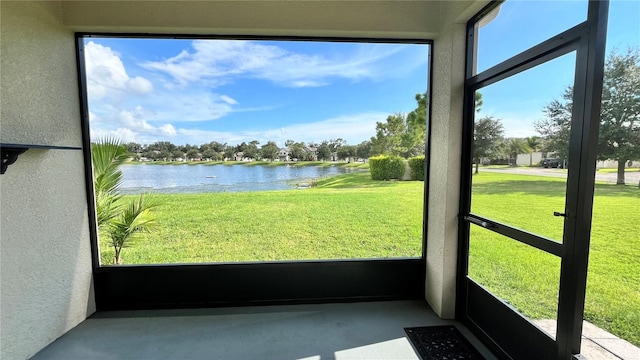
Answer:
(220, 178)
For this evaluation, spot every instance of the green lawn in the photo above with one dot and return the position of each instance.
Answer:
(609, 170)
(351, 216)
(528, 278)
(332, 221)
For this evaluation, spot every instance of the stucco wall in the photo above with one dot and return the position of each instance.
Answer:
(445, 147)
(45, 260)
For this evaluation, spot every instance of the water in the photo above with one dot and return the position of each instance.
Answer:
(219, 178)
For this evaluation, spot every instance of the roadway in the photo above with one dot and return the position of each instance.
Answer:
(631, 177)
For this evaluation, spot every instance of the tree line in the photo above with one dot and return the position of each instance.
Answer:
(619, 135)
(401, 135)
(334, 149)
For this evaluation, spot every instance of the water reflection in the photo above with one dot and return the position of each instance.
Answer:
(220, 178)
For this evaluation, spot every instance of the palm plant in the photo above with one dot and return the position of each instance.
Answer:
(134, 218)
(121, 221)
(106, 156)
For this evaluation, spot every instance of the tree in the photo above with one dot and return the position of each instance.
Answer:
(134, 218)
(478, 102)
(134, 148)
(152, 154)
(162, 146)
(515, 147)
(388, 139)
(555, 128)
(178, 154)
(192, 154)
(106, 156)
(122, 220)
(209, 153)
(214, 145)
(487, 135)
(165, 155)
(619, 135)
(414, 139)
(270, 150)
(251, 150)
(324, 151)
(335, 144)
(347, 152)
(403, 135)
(297, 151)
(363, 150)
(533, 143)
(229, 152)
(620, 115)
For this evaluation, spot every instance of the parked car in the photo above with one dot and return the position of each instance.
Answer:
(552, 163)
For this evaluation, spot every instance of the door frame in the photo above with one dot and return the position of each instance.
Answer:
(507, 332)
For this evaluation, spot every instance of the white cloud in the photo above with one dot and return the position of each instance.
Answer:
(187, 106)
(352, 128)
(228, 99)
(106, 74)
(122, 134)
(217, 62)
(110, 89)
(129, 125)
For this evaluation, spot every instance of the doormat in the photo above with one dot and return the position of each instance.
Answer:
(441, 343)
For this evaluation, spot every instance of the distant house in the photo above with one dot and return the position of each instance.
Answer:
(311, 153)
(529, 159)
(239, 156)
(284, 154)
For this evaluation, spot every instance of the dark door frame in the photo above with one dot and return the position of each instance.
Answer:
(509, 334)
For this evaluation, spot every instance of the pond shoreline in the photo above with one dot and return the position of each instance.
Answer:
(363, 165)
(209, 178)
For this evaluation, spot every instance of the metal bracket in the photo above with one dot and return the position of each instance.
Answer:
(10, 152)
(9, 156)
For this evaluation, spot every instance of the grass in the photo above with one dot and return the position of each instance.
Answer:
(351, 216)
(330, 221)
(609, 170)
(528, 278)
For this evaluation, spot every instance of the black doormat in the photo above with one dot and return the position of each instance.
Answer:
(441, 343)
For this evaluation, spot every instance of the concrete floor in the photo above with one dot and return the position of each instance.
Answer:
(597, 344)
(372, 330)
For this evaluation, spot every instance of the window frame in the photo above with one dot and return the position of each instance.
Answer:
(127, 287)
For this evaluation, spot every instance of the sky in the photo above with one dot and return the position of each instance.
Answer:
(197, 91)
(518, 101)
(230, 91)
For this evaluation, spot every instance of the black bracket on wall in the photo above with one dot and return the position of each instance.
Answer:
(10, 152)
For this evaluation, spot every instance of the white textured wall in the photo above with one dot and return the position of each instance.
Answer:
(444, 194)
(45, 260)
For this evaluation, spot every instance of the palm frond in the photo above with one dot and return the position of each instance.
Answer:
(106, 156)
(133, 218)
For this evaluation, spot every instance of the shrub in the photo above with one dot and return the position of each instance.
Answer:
(386, 167)
(416, 164)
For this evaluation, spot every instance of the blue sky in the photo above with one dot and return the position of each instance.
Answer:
(196, 91)
(518, 101)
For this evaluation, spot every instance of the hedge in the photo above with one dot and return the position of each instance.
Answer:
(386, 167)
(416, 164)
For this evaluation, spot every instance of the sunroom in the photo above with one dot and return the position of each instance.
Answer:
(61, 300)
